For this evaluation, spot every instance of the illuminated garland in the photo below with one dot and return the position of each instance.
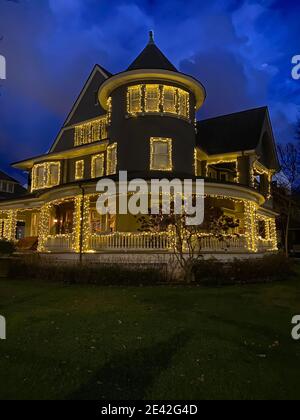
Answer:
(44, 225)
(250, 224)
(167, 141)
(224, 160)
(112, 159)
(109, 110)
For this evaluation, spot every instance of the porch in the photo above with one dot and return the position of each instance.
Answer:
(123, 242)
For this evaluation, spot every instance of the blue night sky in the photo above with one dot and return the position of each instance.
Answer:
(241, 50)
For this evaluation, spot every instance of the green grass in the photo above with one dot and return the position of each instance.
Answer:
(84, 342)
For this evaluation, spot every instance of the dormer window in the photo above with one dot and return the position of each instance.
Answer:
(91, 131)
(45, 175)
(7, 186)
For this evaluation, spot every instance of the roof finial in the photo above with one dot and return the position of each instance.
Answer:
(151, 37)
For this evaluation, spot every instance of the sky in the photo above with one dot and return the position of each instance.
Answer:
(241, 50)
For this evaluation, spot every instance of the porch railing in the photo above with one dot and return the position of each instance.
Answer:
(130, 241)
(59, 243)
(264, 245)
(161, 242)
(144, 241)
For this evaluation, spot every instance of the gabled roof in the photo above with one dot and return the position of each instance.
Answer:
(239, 132)
(231, 133)
(5, 177)
(152, 58)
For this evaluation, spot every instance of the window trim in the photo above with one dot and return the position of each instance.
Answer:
(93, 165)
(78, 175)
(109, 169)
(46, 175)
(167, 141)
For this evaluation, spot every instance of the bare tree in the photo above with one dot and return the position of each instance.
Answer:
(289, 155)
(186, 240)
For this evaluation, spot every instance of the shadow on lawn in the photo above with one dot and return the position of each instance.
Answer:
(130, 374)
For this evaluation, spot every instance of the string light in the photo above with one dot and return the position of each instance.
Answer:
(46, 175)
(97, 166)
(112, 159)
(154, 166)
(79, 169)
(151, 98)
(91, 131)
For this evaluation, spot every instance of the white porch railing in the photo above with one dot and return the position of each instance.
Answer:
(130, 241)
(210, 243)
(264, 245)
(144, 241)
(161, 242)
(59, 243)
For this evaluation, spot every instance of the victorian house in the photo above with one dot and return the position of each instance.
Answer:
(143, 121)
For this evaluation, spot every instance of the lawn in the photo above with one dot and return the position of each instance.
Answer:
(85, 342)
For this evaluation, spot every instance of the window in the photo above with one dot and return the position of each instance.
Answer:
(98, 166)
(79, 169)
(161, 154)
(7, 186)
(183, 103)
(169, 99)
(134, 100)
(112, 159)
(45, 175)
(223, 176)
(152, 98)
(90, 132)
(53, 174)
(40, 177)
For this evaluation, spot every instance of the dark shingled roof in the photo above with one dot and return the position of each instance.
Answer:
(231, 133)
(19, 190)
(152, 58)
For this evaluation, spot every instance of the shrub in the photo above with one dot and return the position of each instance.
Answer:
(89, 273)
(6, 247)
(269, 268)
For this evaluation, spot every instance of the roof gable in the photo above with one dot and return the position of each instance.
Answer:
(86, 107)
(238, 132)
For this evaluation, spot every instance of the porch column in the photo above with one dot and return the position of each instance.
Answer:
(250, 225)
(10, 225)
(273, 234)
(44, 226)
(81, 212)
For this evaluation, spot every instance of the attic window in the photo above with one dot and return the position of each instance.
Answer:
(91, 131)
(7, 186)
